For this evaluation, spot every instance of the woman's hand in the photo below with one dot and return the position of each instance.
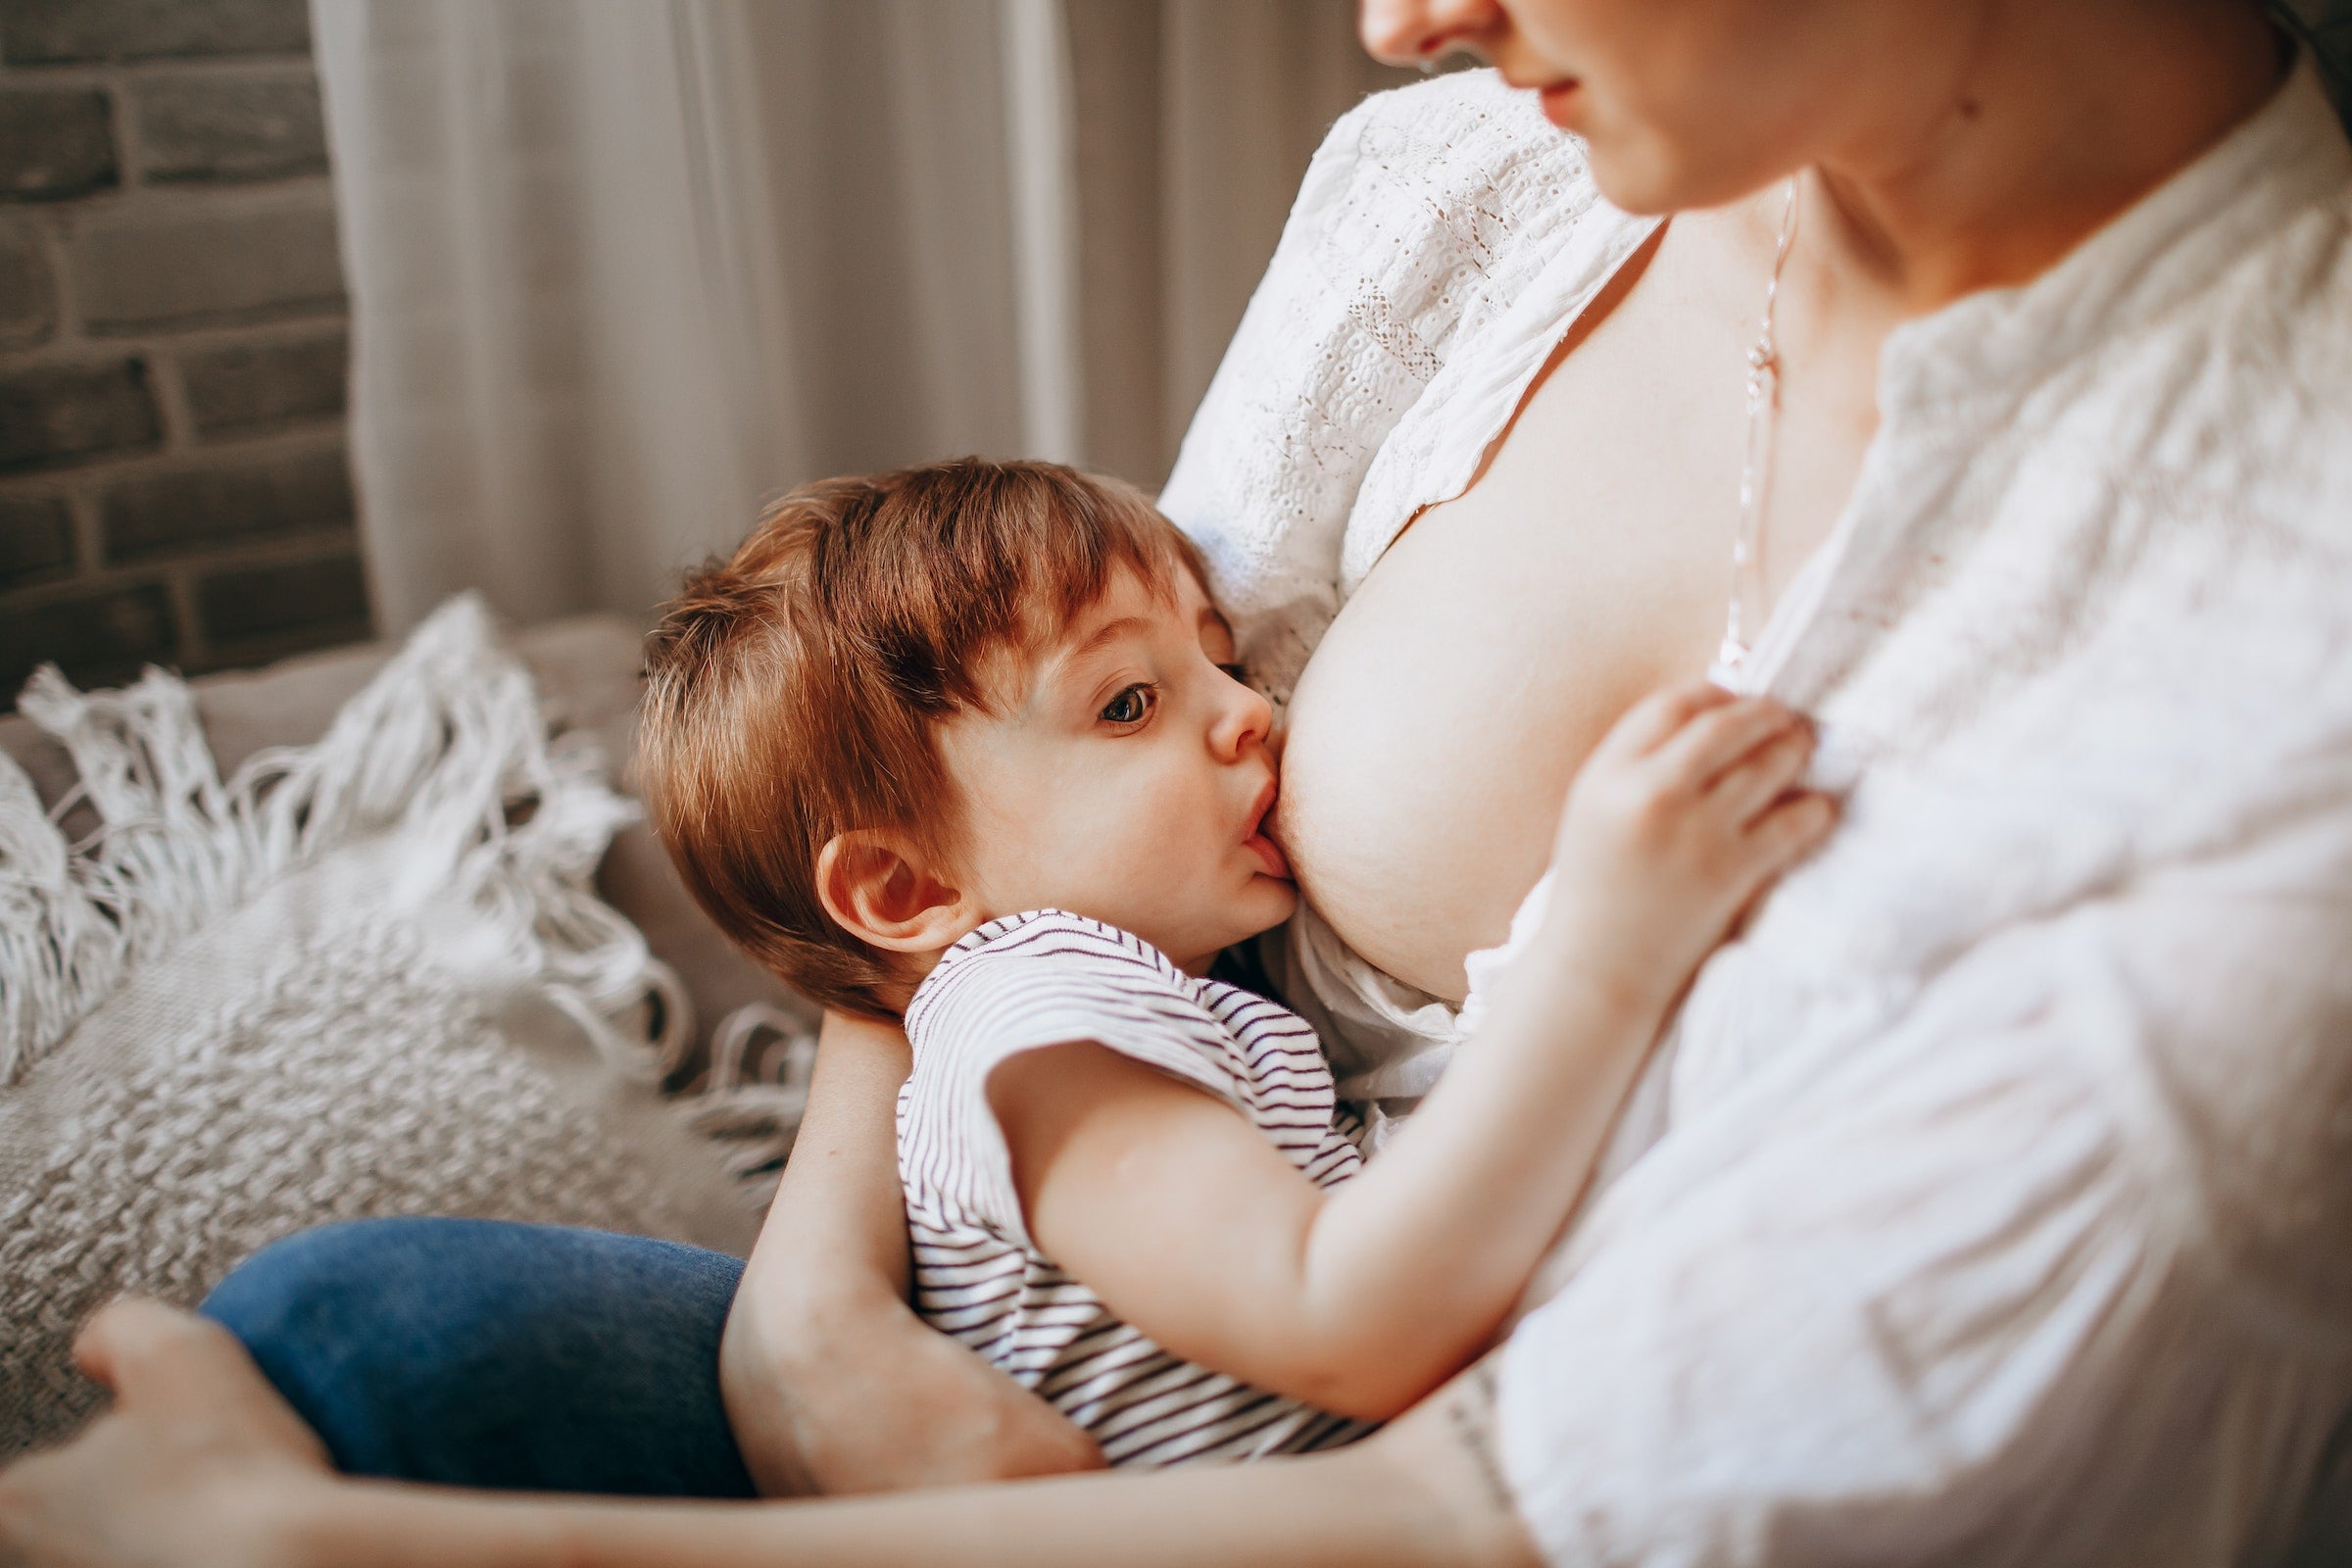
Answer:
(1681, 818)
(199, 1462)
(832, 1384)
(861, 1396)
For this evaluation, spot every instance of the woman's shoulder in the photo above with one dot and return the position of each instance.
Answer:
(2250, 372)
(2191, 354)
(1428, 211)
(1474, 112)
(1460, 163)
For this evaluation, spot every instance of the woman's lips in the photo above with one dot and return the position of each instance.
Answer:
(1559, 101)
(1269, 852)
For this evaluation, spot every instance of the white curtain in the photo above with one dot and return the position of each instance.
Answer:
(621, 268)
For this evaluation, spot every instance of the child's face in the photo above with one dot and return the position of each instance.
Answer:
(1128, 779)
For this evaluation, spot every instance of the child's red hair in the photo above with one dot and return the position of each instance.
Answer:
(792, 692)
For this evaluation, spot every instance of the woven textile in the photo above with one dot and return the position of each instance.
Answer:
(363, 977)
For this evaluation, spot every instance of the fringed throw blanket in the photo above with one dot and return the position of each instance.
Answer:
(363, 977)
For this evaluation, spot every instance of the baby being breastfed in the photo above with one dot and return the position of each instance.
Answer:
(1046, 978)
(965, 745)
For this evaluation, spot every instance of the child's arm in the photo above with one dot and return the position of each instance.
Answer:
(1193, 1228)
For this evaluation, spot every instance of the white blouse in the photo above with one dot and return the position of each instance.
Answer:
(1999, 1208)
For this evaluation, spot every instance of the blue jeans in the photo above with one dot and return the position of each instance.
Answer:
(477, 1354)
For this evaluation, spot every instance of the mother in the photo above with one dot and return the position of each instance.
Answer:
(1991, 1204)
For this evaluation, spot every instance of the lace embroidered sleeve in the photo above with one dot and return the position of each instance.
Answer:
(1389, 255)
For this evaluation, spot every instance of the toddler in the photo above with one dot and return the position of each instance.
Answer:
(965, 745)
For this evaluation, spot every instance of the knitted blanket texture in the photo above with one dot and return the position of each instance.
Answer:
(367, 976)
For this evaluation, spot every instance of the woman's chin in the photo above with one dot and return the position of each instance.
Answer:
(1634, 184)
(1649, 178)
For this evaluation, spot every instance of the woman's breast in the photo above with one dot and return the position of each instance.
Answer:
(1432, 735)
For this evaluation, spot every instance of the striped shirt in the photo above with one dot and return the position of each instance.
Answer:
(1048, 979)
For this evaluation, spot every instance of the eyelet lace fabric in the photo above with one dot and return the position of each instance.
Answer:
(1994, 1207)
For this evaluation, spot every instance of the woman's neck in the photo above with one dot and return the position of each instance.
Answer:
(2048, 121)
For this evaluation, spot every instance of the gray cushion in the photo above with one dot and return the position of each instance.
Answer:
(587, 671)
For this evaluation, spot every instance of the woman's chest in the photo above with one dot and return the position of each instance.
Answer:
(1433, 736)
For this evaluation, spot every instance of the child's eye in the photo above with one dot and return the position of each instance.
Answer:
(1132, 706)
(1237, 672)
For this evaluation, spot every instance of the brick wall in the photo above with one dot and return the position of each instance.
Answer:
(172, 481)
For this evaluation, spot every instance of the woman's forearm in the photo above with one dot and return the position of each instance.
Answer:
(1423, 1496)
(831, 1256)
(201, 1462)
(831, 1382)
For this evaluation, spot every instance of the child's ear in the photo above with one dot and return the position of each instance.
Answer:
(888, 897)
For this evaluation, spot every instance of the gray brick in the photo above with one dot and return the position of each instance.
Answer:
(46, 33)
(145, 270)
(317, 602)
(244, 385)
(230, 501)
(198, 130)
(55, 142)
(55, 413)
(98, 638)
(36, 539)
(27, 298)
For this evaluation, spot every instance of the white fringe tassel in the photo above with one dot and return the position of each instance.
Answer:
(445, 747)
(754, 1106)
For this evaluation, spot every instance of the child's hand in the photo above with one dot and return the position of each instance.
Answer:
(1686, 809)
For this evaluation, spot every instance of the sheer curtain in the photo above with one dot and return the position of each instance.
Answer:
(621, 268)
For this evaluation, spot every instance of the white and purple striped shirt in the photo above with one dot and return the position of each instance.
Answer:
(1049, 978)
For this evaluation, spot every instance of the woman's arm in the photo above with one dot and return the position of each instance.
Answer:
(1427, 1502)
(201, 1465)
(831, 1382)
(1195, 1229)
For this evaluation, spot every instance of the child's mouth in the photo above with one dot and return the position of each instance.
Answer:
(1264, 848)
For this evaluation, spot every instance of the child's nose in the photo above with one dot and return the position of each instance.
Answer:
(1246, 718)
